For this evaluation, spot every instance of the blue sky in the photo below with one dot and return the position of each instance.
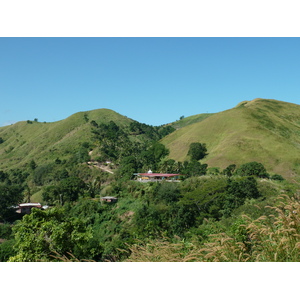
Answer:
(151, 80)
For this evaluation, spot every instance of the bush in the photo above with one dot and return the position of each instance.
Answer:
(277, 177)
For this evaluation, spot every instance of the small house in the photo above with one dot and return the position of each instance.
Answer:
(150, 176)
(109, 199)
(25, 208)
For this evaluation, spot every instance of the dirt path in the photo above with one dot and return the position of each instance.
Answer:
(100, 166)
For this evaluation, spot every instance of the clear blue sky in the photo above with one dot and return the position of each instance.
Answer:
(151, 80)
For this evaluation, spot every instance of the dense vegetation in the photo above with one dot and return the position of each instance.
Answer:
(238, 212)
(78, 227)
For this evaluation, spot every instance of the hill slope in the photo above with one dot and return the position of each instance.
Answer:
(190, 120)
(262, 130)
(25, 141)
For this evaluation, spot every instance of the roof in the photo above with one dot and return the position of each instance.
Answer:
(158, 174)
(30, 204)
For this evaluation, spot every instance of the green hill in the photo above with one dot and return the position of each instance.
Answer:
(262, 130)
(44, 142)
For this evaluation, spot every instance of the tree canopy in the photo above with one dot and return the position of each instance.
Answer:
(197, 151)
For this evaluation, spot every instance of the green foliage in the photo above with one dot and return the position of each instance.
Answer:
(148, 221)
(252, 169)
(197, 151)
(128, 166)
(43, 174)
(238, 191)
(194, 168)
(228, 171)
(1, 140)
(32, 165)
(213, 171)
(4, 176)
(51, 195)
(277, 177)
(153, 155)
(5, 231)
(18, 176)
(206, 199)
(243, 188)
(41, 234)
(71, 188)
(10, 196)
(152, 132)
(166, 192)
(7, 250)
(81, 155)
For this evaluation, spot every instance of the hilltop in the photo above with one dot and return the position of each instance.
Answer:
(262, 130)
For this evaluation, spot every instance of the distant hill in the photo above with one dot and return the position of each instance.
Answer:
(262, 130)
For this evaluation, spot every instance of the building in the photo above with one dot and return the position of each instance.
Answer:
(25, 208)
(150, 176)
(109, 199)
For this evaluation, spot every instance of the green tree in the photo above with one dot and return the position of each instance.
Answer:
(51, 194)
(197, 151)
(206, 199)
(71, 188)
(153, 155)
(128, 166)
(42, 234)
(252, 169)
(238, 191)
(277, 177)
(229, 170)
(195, 168)
(32, 164)
(10, 196)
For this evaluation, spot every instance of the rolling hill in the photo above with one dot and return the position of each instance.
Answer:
(262, 130)
(44, 142)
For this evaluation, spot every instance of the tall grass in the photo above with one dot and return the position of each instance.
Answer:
(269, 238)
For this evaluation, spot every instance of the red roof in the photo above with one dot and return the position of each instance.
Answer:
(158, 174)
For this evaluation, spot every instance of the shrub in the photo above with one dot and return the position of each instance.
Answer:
(277, 177)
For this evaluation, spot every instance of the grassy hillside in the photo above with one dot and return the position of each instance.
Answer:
(190, 120)
(262, 130)
(44, 142)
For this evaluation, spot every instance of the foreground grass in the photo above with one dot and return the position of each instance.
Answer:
(270, 238)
